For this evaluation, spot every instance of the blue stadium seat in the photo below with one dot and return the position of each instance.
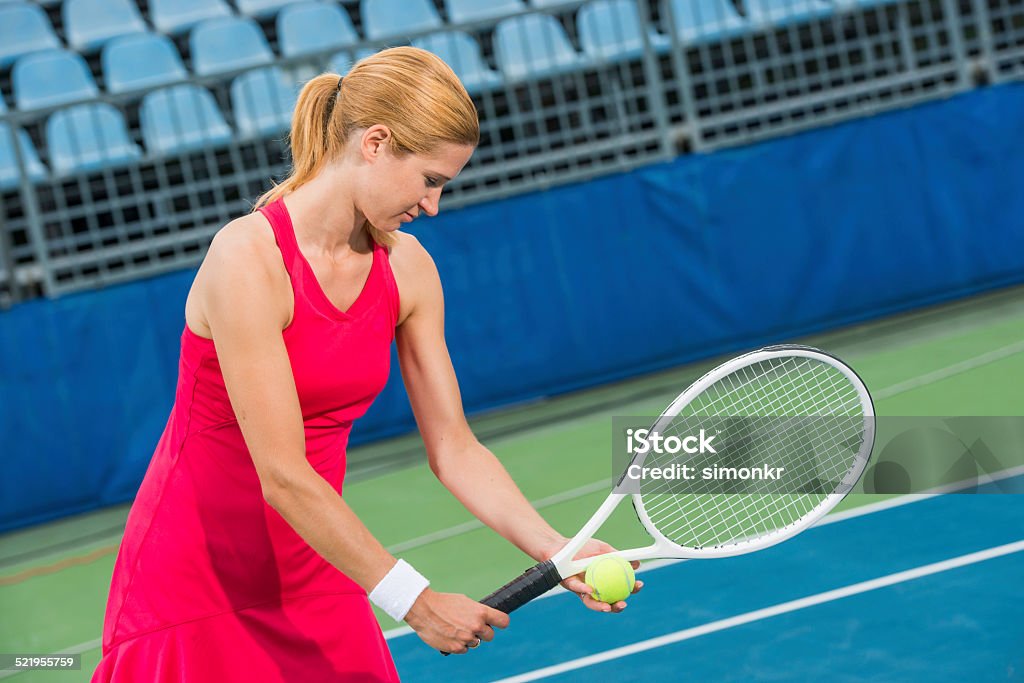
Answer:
(178, 16)
(386, 18)
(533, 45)
(462, 53)
(705, 20)
(262, 8)
(88, 137)
(313, 27)
(782, 12)
(262, 101)
(9, 174)
(181, 118)
(141, 60)
(24, 28)
(612, 30)
(51, 77)
(340, 63)
(88, 24)
(226, 44)
(476, 10)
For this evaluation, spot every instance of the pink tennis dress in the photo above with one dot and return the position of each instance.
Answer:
(211, 584)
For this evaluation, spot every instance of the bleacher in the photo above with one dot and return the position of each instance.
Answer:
(131, 130)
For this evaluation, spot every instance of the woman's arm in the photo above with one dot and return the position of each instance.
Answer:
(245, 300)
(461, 463)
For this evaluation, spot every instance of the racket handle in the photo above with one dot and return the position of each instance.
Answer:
(535, 581)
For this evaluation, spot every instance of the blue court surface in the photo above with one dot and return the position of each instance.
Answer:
(916, 589)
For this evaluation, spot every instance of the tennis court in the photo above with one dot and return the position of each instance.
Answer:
(889, 588)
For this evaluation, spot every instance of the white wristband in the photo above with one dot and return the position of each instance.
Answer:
(398, 590)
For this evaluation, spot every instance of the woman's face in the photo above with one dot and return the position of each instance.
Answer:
(398, 188)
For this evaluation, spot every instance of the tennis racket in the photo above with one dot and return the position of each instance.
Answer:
(791, 407)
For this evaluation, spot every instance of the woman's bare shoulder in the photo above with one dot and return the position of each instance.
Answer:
(243, 258)
(409, 256)
(249, 236)
(415, 274)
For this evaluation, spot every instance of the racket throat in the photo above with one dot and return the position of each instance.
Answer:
(563, 558)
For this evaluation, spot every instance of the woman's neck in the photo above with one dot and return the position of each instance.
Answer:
(325, 217)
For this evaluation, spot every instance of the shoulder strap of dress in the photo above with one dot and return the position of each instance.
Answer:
(284, 233)
(382, 258)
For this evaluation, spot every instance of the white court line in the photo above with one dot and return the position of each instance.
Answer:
(768, 612)
(949, 371)
(473, 524)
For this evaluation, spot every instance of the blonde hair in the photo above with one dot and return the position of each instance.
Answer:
(409, 90)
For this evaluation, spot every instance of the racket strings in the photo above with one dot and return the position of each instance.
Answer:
(750, 503)
(794, 412)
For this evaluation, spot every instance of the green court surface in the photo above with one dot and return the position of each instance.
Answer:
(963, 358)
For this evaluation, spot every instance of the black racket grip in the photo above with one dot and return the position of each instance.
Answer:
(535, 581)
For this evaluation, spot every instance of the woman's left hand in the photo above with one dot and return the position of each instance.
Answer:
(577, 585)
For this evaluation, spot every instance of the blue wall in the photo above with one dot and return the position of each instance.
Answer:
(578, 285)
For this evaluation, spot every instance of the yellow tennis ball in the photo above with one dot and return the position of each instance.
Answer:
(611, 578)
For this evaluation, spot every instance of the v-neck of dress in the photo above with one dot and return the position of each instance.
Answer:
(313, 287)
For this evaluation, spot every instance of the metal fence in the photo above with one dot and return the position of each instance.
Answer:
(657, 80)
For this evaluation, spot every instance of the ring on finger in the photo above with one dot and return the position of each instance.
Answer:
(476, 643)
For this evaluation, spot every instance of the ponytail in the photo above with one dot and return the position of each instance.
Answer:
(312, 140)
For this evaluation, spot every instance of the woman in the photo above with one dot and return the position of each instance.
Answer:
(241, 559)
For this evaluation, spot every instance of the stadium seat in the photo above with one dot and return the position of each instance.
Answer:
(533, 45)
(24, 28)
(88, 24)
(460, 11)
(141, 60)
(781, 12)
(262, 8)
(178, 16)
(611, 30)
(340, 63)
(262, 101)
(462, 53)
(51, 77)
(227, 44)
(705, 20)
(10, 176)
(386, 18)
(87, 137)
(311, 27)
(181, 118)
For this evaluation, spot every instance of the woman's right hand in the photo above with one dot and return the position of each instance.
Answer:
(451, 622)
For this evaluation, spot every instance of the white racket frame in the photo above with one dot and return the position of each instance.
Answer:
(663, 548)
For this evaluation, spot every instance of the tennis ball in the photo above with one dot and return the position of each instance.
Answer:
(611, 578)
